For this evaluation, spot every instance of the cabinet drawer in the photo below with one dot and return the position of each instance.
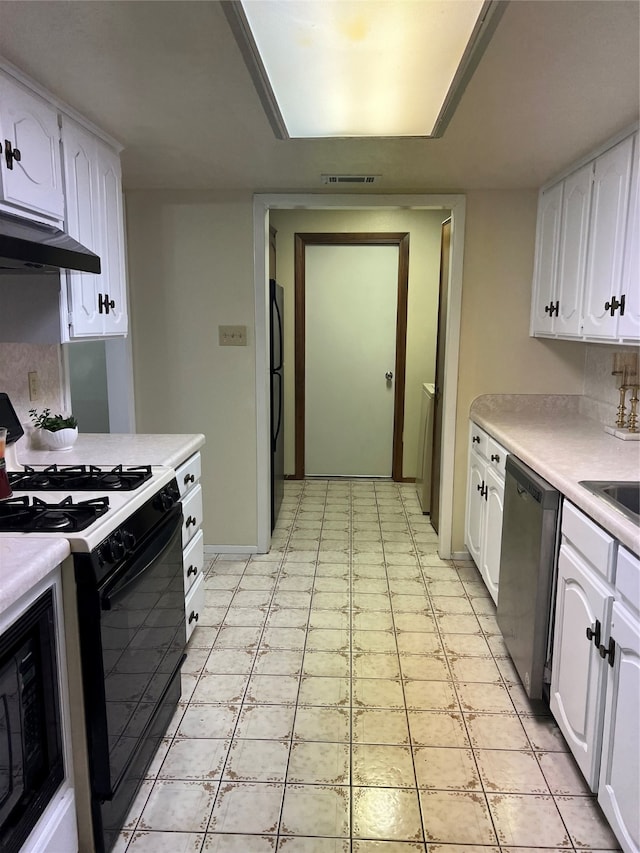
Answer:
(192, 512)
(479, 440)
(589, 540)
(628, 578)
(193, 560)
(188, 474)
(497, 456)
(194, 605)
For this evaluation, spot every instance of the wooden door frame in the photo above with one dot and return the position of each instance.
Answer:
(301, 241)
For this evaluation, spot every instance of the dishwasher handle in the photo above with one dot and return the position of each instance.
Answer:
(530, 484)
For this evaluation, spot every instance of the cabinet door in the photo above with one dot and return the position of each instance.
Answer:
(619, 787)
(576, 204)
(79, 147)
(30, 124)
(546, 259)
(194, 606)
(475, 507)
(609, 208)
(492, 533)
(578, 672)
(629, 322)
(112, 255)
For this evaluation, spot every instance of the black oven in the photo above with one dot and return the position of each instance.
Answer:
(131, 621)
(31, 758)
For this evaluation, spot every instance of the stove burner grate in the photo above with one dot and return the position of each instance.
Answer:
(19, 515)
(79, 478)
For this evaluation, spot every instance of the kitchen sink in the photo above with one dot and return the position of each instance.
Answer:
(623, 495)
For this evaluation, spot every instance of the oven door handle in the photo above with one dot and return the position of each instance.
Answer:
(160, 542)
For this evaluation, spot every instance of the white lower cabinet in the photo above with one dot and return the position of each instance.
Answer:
(619, 784)
(595, 685)
(485, 501)
(583, 604)
(188, 477)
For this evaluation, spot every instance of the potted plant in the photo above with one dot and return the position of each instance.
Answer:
(56, 432)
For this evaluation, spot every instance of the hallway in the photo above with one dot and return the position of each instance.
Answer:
(349, 692)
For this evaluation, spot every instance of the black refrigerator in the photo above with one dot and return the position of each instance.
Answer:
(276, 352)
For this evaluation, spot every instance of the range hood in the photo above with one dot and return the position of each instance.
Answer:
(35, 247)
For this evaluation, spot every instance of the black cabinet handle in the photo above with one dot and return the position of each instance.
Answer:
(192, 570)
(104, 303)
(11, 154)
(594, 634)
(193, 617)
(495, 457)
(475, 439)
(189, 478)
(614, 304)
(191, 521)
(609, 651)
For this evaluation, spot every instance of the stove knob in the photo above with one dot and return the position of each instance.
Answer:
(128, 539)
(115, 548)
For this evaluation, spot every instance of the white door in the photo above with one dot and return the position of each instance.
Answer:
(619, 789)
(350, 345)
(609, 208)
(492, 538)
(579, 673)
(576, 206)
(30, 125)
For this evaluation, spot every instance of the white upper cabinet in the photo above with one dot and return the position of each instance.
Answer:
(610, 206)
(586, 267)
(30, 170)
(546, 262)
(629, 322)
(97, 304)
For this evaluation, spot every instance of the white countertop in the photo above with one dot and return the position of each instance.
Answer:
(24, 562)
(117, 449)
(549, 434)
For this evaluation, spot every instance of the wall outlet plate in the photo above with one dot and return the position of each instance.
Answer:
(232, 336)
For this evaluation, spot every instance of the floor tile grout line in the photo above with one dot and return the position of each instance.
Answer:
(242, 701)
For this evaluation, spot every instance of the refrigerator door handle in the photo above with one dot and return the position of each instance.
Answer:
(278, 366)
(277, 376)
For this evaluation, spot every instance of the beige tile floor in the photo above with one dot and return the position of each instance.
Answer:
(349, 692)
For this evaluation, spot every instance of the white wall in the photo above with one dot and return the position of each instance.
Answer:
(424, 267)
(190, 270)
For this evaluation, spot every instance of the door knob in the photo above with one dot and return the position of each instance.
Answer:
(388, 376)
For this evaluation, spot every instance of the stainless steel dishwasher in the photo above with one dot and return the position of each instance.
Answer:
(527, 569)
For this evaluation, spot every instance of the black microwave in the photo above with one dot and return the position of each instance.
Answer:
(31, 757)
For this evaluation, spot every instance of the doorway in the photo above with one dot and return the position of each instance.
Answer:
(350, 344)
(455, 206)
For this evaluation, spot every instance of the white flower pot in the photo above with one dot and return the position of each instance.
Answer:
(61, 439)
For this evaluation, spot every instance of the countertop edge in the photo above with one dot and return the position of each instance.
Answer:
(502, 424)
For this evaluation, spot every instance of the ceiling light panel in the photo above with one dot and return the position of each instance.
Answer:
(361, 67)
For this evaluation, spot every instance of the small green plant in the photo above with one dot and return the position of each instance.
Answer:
(45, 420)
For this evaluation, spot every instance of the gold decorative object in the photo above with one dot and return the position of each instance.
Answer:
(625, 365)
(620, 420)
(632, 423)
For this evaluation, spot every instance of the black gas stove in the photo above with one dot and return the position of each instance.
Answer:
(34, 515)
(86, 478)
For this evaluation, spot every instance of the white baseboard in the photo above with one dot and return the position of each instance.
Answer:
(461, 555)
(212, 550)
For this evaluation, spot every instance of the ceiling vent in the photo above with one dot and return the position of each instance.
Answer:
(350, 179)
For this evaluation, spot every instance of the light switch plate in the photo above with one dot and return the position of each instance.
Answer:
(232, 336)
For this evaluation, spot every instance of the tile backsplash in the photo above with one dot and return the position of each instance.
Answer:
(16, 361)
(601, 393)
